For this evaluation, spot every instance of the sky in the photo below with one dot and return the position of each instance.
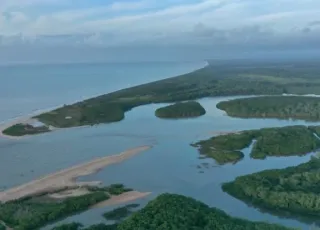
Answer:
(32, 30)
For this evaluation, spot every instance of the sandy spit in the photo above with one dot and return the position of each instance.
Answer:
(67, 176)
(123, 198)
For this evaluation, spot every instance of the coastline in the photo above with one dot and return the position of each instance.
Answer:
(26, 119)
(67, 177)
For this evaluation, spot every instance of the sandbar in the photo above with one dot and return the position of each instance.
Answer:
(67, 177)
(123, 198)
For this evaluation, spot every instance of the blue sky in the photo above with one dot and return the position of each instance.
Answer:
(110, 23)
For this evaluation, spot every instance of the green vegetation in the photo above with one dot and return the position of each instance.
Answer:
(102, 227)
(25, 129)
(77, 226)
(28, 213)
(217, 79)
(181, 110)
(226, 148)
(33, 212)
(168, 212)
(286, 141)
(176, 212)
(294, 190)
(2, 227)
(315, 129)
(120, 213)
(306, 108)
(114, 189)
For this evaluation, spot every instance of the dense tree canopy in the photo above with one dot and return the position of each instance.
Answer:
(294, 189)
(307, 108)
(176, 212)
(286, 141)
(29, 213)
(25, 129)
(121, 212)
(181, 110)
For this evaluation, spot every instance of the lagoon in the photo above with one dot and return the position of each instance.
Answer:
(171, 166)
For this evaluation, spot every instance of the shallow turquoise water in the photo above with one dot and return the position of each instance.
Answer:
(170, 166)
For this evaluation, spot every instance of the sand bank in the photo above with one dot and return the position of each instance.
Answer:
(123, 198)
(67, 177)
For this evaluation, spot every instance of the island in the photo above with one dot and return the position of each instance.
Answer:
(187, 109)
(219, 78)
(283, 141)
(282, 107)
(171, 211)
(25, 129)
(293, 190)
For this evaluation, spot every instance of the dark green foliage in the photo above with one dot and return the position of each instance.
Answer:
(77, 226)
(315, 129)
(120, 213)
(217, 79)
(102, 227)
(226, 148)
(294, 189)
(2, 227)
(285, 141)
(30, 214)
(117, 189)
(175, 212)
(114, 189)
(71, 226)
(307, 108)
(25, 129)
(181, 110)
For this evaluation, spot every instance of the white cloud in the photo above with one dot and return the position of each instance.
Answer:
(234, 21)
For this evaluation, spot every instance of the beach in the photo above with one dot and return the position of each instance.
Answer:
(67, 177)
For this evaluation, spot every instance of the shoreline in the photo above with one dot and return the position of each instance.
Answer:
(28, 117)
(67, 177)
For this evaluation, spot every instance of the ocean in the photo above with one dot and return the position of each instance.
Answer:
(25, 89)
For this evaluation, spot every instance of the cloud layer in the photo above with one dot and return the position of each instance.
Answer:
(166, 22)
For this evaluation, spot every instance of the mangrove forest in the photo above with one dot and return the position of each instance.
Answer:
(284, 107)
(292, 190)
(187, 109)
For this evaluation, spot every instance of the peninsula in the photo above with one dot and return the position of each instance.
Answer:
(219, 78)
(285, 141)
(187, 109)
(283, 107)
(67, 177)
(293, 190)
(58, 195)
